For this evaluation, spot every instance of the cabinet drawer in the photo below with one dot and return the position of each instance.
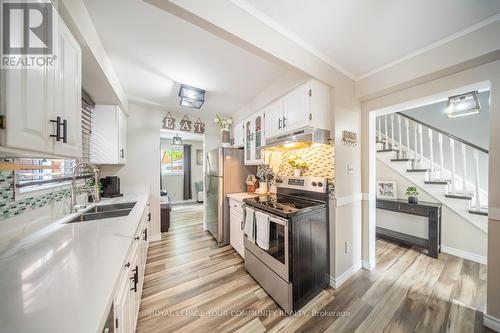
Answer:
(412, 209)
(235, 206)
(387, 205)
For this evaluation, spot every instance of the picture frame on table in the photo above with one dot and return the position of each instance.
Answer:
(387, 190)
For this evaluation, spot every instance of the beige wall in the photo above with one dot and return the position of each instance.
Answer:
(439, 88)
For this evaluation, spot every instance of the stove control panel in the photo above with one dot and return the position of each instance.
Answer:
(314, 184)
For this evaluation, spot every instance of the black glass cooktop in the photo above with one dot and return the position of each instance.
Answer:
(283, 205)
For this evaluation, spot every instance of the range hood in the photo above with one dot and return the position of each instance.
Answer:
(298, 139)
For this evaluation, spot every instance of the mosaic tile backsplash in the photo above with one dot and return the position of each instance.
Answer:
(9, 207)
(320, 158)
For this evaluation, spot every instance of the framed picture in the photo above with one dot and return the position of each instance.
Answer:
(386, 190)
(199, 156)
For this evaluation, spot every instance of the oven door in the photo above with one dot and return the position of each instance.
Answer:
(277, 257)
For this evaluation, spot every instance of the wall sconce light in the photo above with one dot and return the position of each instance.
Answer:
(463, 105)
(191, 97)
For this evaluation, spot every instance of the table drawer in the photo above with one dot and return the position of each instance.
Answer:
(412, 209)
(236, 206)
(387, 205)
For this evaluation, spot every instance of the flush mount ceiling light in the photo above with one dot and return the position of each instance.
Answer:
(177, 140)
(191, 97)
(463, 105)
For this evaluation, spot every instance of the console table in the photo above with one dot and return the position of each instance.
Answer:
(427, 209)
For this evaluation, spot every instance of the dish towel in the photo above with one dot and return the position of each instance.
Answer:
(249, 219)
(262, 230)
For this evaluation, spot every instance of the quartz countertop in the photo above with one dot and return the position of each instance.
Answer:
(241, 196)
(62, 278)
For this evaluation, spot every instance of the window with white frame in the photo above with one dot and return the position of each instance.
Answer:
(172, 160)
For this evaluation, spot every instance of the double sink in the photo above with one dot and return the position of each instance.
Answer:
(104, 212)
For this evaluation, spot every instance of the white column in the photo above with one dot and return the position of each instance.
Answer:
(441, 158)
(400, 139)
(407, 123)
(379, 129)
(415, 144)
(392, 131)
(386, 139)
(464, 169)
(431, 151)
(421, 143)
(476, 160)
(452, 147)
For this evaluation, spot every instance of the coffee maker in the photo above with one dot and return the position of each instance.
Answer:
(111, 187)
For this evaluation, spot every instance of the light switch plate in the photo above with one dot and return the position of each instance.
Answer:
(350, 170)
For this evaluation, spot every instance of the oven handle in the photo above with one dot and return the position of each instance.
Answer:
(273, 217)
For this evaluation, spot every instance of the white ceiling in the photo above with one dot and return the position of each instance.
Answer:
(360, 37)
(153, 52)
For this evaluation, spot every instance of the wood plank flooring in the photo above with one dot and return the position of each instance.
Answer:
(191, 285)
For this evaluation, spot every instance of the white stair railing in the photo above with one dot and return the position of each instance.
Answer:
(423, 157)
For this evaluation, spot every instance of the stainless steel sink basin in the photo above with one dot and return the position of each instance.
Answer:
(109, 207)
(104, 212)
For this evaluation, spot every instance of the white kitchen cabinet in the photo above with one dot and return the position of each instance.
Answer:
(238, 132)
(123, 315)
(42, 104)
(108, 139)
(254, 128)
(308, 105)
(236, 226)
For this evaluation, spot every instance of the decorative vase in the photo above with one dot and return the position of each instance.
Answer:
(226, 138)
(297, 172)
(413, 200)
(263, 188)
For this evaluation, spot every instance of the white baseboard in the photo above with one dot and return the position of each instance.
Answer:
(337, 282)
(348, 199)
(464, 254)
(491, 322)
(155, 238)
(494, 213)
(368, 265)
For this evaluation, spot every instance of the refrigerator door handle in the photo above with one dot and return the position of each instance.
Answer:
(207, 176)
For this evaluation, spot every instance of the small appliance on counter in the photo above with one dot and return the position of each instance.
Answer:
(111, 187)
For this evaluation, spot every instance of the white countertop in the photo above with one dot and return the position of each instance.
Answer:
(62, 277)
(240, 196)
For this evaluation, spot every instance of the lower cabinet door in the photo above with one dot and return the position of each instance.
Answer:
(235, 232)
(122, 306)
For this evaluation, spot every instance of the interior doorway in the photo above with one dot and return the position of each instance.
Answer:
(181, 173)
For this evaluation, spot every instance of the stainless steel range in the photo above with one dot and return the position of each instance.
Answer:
(286, 240)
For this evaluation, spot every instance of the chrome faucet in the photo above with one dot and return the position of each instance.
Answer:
(83, 169)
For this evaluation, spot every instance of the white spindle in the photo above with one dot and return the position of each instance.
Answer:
(421, 142)
(464, 169)
(431, 154)
(452, 147)
(386, 139)
(407, 123)
(379, 129)
(400, 140)
(392, 131)
(415, 143)
(441, 158)
(476, 160)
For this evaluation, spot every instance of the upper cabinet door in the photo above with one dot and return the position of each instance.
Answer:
(273, 115)
(297, 111)
(249, 137)
(122, 136)
(68, 93)
(259, 139)
(238, 134)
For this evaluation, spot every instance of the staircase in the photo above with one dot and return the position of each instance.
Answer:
(450, 169)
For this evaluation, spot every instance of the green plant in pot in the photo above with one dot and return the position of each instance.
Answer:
(412, 194)
(298, 166)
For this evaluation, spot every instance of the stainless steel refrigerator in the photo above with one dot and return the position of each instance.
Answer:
(225, 173)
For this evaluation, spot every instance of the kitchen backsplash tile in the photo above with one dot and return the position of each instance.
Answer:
(320, 158)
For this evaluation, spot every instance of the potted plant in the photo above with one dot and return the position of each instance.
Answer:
(412, 194)
(225, 125)
(298, 166)
(265, 175)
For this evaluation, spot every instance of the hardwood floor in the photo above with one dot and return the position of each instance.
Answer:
(191, 285)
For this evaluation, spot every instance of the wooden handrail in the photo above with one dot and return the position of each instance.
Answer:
(454, 137)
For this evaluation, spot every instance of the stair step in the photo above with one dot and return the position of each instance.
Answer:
(458, 196)
(438, 182)
(402, 159)
(417, 170)
(385, 150)
(479, 212)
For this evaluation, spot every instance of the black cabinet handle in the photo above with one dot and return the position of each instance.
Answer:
(284, 122)
(136, 238)
(145, 234)
(149, 217)
(279, 123)
(122, 153)
(58, 129)
(127, 265)
(65, 131)
(135, 278)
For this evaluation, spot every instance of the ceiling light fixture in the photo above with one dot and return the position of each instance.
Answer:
(463, 105)
(177, 140)
(191, 97)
